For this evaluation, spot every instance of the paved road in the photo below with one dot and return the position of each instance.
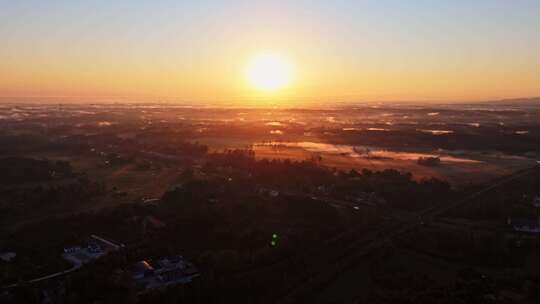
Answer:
(76, 265)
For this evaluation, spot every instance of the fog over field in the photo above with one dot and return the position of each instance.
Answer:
(473, 141)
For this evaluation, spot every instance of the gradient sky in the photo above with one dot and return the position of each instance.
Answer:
(197, 51)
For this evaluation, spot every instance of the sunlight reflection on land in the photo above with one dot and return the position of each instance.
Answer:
(362, 151)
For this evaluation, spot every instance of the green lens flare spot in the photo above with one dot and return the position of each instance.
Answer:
(273, 243)
(274, 236)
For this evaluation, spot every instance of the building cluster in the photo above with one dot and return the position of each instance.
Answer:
(94, 248)
(153, 274)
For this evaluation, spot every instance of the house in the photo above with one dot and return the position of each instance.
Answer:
(152, 274)
(525, 225)
(141, 270)
(93, 248)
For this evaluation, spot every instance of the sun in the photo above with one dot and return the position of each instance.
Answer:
(268, 72)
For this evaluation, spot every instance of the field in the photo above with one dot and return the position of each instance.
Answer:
(458, 170)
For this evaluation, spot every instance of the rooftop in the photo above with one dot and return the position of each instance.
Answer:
(150, 274)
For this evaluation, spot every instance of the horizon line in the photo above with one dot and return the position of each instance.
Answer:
(32, 100)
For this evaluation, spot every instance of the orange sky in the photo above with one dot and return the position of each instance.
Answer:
(343, 51)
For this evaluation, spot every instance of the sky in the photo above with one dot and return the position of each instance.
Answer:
(198, 51)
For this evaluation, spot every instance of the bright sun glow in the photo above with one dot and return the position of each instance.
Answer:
(268, 72)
